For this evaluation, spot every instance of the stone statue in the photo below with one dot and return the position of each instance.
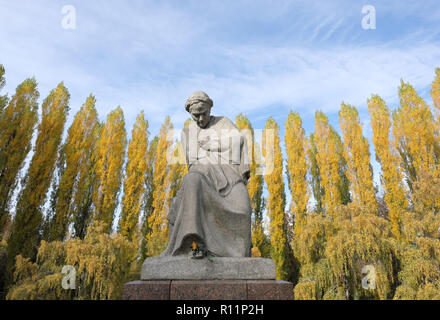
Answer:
(210, 216)
(211, 210)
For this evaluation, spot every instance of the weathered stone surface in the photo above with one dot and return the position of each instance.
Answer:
(212, 207)
(208, 290)
(147, 290)
(216, 268)
(269, 290)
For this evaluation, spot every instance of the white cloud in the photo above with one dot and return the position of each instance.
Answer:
(256, 57)
(153, 55)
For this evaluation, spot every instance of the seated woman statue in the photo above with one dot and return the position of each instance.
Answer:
(211, 210)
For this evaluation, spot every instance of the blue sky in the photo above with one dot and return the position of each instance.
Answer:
(261, 58)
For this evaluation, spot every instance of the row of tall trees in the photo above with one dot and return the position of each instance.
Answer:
(335, 227)
(357, 244)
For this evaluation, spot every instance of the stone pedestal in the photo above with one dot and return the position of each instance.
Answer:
(216, 278)
(208, 290)
(215, 268)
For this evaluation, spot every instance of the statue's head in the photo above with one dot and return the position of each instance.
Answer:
(199, 105)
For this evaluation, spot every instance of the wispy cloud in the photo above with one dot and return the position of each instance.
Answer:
(255, 56)
(250, 56)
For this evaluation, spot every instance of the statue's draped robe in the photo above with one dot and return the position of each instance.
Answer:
(212, 206)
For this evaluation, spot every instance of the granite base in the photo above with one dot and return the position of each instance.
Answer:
(208, 290)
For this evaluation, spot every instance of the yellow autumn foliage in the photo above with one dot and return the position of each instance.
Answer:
(392, 176)
(276, 198)
(328, 159)
(109, 161)
(134, 183)
(77, 152)
(17, 122)
(351, 246)
(254, 187)
(101, 263)
(297, 167)
(333, 252)
(357, 156)
(413, 133)
(157, 237)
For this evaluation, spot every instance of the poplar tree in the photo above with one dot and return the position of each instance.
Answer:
(17, 125)
(77, 152)
(82, 202)
(413, 133)
(3, 99)
(276, 199)
(157, 237)
(419, 258)
(417, 137)
(386, 156)
(331, 164)
(318, 190)
(148, 196)
(49, 215)
(110, 156)
(254, 186)
(28, 218)
(134, 183)
(435, 95)
(357, 156)
(297, 167)
(344, 183)
(435, 89)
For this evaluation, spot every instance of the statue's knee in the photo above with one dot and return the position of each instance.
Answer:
(192, 179)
